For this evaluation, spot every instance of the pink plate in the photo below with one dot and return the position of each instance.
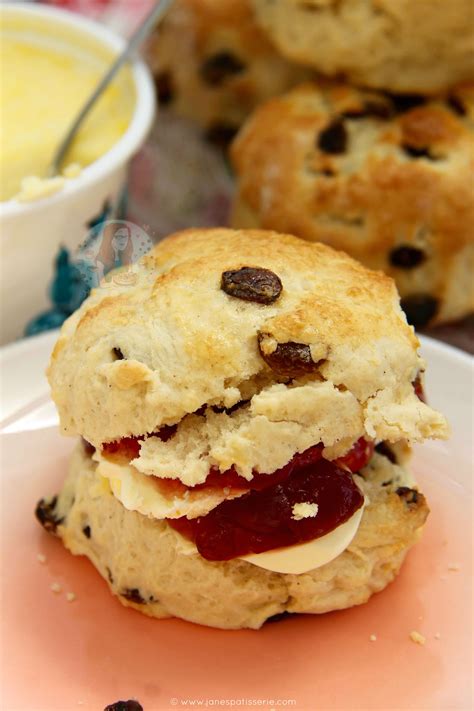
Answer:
(60, 655)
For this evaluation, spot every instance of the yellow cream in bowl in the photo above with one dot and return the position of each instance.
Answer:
(44, 80)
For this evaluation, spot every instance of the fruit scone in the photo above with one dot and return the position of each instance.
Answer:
(388, 179)
(421, 46)
(213, 64)
(245, 412)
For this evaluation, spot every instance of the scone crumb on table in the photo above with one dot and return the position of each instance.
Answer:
(56, 588)
(41, 558)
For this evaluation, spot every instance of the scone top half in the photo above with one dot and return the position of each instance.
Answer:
(252, 345)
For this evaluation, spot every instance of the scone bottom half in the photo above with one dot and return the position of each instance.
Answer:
(234, 466)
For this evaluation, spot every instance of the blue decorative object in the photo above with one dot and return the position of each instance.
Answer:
(67, 292)
(47, 321)
(74, 278)
(68, 289)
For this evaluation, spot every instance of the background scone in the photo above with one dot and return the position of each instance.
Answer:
(231, 400)
(388, 179)
(213, 64)
(402, 45)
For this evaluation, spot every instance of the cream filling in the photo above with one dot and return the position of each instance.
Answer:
(138, 492)
(295, 560)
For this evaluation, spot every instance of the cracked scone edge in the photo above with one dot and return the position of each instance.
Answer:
(142, 558)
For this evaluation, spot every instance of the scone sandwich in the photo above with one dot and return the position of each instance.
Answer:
(245, 412)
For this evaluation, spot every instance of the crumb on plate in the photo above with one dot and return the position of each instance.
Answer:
(56, 588)
(417, 637)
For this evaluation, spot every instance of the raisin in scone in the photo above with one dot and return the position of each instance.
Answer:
(388, 179)
(402, 45)
(246, 409)
(213, 64)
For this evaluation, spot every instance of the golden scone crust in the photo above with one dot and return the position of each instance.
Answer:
(330, 359)
(402, 45)
(149, 566)
(387, 179)
(213, 64)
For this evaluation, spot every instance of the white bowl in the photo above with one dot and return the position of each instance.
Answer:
(32, 232)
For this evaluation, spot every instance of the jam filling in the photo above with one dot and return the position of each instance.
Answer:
(262, 519)
(418, 388)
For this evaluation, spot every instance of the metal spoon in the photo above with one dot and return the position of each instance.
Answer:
(140, 34)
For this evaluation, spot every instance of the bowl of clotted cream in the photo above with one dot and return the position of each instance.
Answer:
(50, 62)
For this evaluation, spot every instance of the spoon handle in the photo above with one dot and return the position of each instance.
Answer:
(140, 34)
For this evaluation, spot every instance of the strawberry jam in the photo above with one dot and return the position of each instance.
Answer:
(129, 447)
(262, 519)
(418, 388)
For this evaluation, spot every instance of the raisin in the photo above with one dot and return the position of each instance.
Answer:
(217, 69)
(110, 577)
(279, 616)
(133, 595)
(383, 449)
(164, 88)
(406, 102)
(252, 284)
(87, 531)
(406, 257)
(130, 705)
(221, 134)
(389, 482)
(333, 138)
(418, 152)
(419, 309)
(289, 359)
(45, 513)
(355, 114)
(456, 105)
(117, 354)
(88, 447)
(411, 496)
